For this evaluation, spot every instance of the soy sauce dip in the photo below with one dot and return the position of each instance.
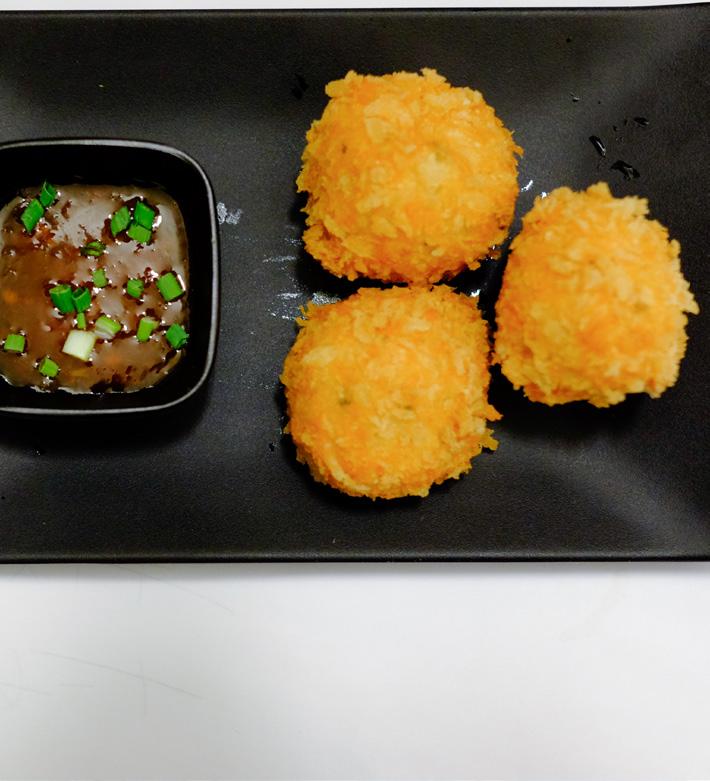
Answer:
(32, 263)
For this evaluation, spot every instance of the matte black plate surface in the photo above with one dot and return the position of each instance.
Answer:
(214, 479)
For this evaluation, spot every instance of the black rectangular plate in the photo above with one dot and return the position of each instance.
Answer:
(214, 479)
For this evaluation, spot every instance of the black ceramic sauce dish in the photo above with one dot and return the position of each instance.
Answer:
(143, 164)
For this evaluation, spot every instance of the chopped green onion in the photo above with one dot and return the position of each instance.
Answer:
(32, 215)
(106, 327)
(144, 215)
(94, 249)
(14, 343)
(99, 278)
(48, 194)
(146, 326)
(81, 321)
(134, 287)
(120, 220)
(48, 367)
(139, 233)
(169, 286)
(177, 336)
(79, 344)
(82, 299)
(61, 296)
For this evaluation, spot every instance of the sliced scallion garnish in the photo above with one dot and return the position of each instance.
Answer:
(120, 220)
(81, 321)
(48, 194)
(139, 233)
(134, 288)
(82, 299)
(169, 286)
(106, 327)
(48, 367)
(14, 343)
(79, 344)
(144, 215)
(146, 326)
(32, 215)
(177, 336)
(99, 278)
(93, 249)
(61, 296)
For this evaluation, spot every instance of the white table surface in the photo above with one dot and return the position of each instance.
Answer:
(355, 671)
(567, 671)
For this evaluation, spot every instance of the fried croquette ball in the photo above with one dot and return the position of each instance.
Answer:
(408, 178)
(593, 301)
(387, 390)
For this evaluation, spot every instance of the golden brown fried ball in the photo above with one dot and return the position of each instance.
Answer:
(593, 301)
(387, 390)
(408, 178)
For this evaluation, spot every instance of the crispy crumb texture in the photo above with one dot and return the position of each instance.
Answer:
(387, 390)
(409, 179)
(593, 304)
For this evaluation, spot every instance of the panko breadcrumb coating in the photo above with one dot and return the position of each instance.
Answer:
(593, 301)
(408, 178)
(387, 390)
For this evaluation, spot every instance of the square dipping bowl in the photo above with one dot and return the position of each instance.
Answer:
(143, 164)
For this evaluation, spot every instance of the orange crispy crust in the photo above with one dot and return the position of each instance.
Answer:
(593, 301)
(409, 179)
(387, 390)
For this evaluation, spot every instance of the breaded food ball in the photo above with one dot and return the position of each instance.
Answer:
(387, 390)
(408, 178)
(593, 301)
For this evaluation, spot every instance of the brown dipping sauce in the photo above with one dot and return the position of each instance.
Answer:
(30, 264)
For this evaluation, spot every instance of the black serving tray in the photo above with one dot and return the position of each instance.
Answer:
(214, 478)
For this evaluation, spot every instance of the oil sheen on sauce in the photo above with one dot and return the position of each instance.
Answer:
(30, 264)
